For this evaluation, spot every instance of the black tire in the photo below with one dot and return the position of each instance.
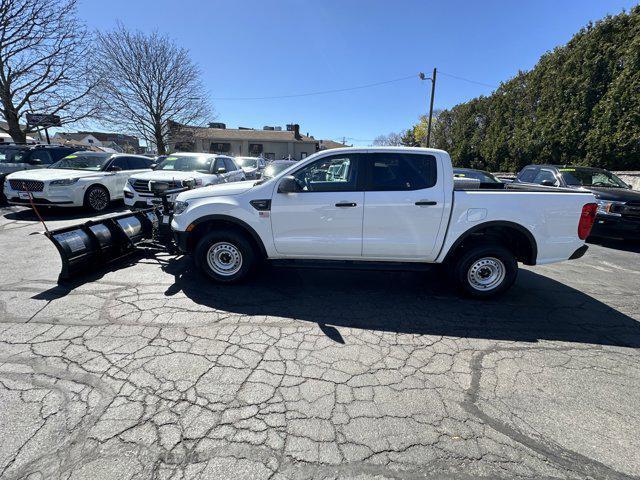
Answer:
(97, 199)
(3, 199)
(485, 270)
(221, 250)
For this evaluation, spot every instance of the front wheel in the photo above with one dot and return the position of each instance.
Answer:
(96, 198)
(225, 256)
(485, 271)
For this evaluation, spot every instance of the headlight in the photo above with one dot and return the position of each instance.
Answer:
(131, 181)
(607, 207)
(179, 207)
(66, 181)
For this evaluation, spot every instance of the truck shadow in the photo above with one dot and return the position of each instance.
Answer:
(536, 308)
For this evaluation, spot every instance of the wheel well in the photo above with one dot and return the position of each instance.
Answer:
(511, 236)
(202, 228)
(97, 185)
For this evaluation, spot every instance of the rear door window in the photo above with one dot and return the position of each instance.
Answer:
(400, 171)
(137, 163)
(120, 162)
(40, 157)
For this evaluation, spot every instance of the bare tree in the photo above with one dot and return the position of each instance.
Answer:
(150, 82)
(393, 139)
(45, 55)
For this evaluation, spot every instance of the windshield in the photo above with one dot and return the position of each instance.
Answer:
(11, 155)
(247, 162)
(184, 163)
(484, 177)
(78, 161)
(590, 177)
(274, 169)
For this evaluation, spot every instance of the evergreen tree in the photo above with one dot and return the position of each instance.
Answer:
(580, 104)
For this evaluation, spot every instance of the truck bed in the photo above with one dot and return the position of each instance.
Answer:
(551, 215)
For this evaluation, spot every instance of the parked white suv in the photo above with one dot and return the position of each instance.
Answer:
(88, 179)
(205, 169)
(383, 208)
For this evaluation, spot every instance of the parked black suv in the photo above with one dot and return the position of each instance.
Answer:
(618, 206)
(15, 157)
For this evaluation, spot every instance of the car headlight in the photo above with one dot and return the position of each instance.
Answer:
(131, 181)
(608, 207)
(179, 207)
(66, 181)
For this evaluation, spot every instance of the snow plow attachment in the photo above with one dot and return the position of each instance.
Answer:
(97, 243)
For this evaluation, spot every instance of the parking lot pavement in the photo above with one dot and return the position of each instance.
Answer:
(149, 371)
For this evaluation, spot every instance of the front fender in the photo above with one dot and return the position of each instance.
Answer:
(228, 209)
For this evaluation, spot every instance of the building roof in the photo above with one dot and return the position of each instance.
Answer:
(222, 134)
(113, 137)
(118, 138)
(72, 135)
(327, 144)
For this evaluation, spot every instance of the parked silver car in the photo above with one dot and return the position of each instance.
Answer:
(252, 166)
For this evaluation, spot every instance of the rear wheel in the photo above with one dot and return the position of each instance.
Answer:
(96, 198)
(484, 271)
(225, 256)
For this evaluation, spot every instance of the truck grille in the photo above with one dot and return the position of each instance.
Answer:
(142, 186)
(631, 210)
(26, 185)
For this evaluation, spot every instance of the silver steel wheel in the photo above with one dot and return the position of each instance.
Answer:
(224, 259)
(98, 199)
(486, 273)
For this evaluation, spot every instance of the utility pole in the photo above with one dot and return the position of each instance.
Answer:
(433, 92)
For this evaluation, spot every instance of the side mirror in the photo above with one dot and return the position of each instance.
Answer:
(115, 168)
(153, 166)
(288, 185)
(548, 183)
(221, 170)
(35, 161)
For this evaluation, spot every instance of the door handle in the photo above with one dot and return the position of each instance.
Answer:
(426, 203)
(346, 204)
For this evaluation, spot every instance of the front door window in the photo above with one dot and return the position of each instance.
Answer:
(331, 174)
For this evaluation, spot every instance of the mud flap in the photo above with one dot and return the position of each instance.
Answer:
(96, 243)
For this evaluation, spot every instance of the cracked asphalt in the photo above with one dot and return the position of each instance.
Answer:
(149, 371)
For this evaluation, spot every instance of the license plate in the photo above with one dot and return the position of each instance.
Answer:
(23, 195)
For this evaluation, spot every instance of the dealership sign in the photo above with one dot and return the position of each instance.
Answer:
(43, 120)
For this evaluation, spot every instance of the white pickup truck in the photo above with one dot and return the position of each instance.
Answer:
(390, 208)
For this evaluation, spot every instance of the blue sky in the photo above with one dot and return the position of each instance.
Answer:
(263, 48)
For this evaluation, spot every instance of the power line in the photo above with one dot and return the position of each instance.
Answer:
(467, 79)
(347, 89)
(360, 139)
(321, 92)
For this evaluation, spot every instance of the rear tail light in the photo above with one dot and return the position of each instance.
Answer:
(587, 218)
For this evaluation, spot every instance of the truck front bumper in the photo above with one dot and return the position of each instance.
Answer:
(182, 241)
